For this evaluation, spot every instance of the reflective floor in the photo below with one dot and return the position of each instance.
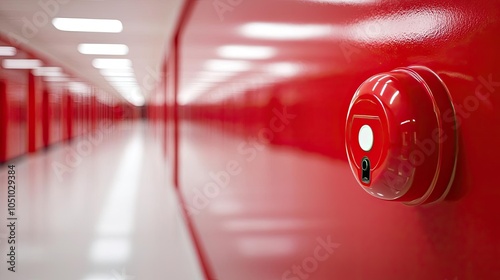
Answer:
(100, 208)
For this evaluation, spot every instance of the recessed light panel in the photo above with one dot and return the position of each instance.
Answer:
(103, 49)
(88, 25)
(117, 72)
(48, 72)
(111, 63)
(21, 63)
(7, 51)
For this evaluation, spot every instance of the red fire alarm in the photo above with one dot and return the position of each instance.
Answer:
(401, 140)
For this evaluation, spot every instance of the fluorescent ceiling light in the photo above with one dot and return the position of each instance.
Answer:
(117, 72)
(126, 91)
(126, 87)
(137, 100)
(133, 95)
(121, 79)
(227, 65)
(88, 25)
(48, 69)
(124, 83)
(21, 63)
(103, 49)
(78, 87)
(48, 72)
(111, 63)
(246, 52)
(7, 51)
(284, 31)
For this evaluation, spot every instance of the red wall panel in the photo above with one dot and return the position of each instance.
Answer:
(264, 200)
(46, 118)
(35, 113)
(16, 117)
(55, 117)
(68, 116)
(3, 122)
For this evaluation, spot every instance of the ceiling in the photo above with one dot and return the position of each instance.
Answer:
(147, 28)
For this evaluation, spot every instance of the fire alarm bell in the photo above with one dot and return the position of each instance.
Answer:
(401, 140)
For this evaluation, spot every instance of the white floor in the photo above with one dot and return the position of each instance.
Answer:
(100, 208)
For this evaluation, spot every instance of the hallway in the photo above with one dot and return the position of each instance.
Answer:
(249, 140)
(89, 210)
